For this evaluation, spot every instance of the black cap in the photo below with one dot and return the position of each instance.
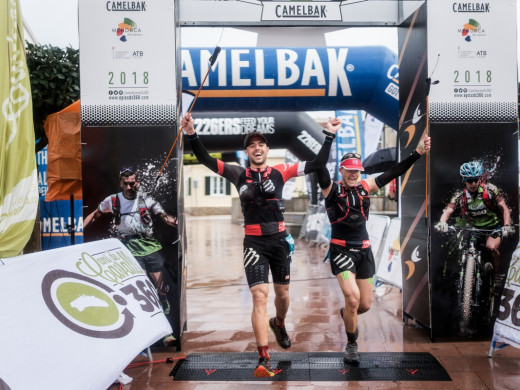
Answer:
(253, 134)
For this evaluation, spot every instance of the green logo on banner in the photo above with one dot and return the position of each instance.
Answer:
(87, 304)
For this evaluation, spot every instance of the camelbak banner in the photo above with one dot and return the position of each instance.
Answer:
(296, 13)
(296, 79)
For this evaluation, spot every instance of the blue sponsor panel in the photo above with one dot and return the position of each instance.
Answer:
(41, 162)
(296, 79)
(350, 137)
(55, 216)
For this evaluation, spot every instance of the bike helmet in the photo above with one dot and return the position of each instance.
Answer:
(471, 169)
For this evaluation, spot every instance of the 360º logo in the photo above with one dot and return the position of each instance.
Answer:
(86, 306)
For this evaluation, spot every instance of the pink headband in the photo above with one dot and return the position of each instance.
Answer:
(352, 164)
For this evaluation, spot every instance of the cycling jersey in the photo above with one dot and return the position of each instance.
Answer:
(473, 206)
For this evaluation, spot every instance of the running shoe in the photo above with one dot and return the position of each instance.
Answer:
(351, 355)
(169, 341)
(282, 338)
(263, 370)
(165, 304)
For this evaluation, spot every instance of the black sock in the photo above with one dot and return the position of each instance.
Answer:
(352, 337)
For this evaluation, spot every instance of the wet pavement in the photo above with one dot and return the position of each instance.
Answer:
(219, 320)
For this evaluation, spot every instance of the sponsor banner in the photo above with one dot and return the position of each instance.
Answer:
(105, 152)
(341, 13)
(389, 268)
(376, 227)
(128, 71)
(55, 215)
(225, 131)
(41, 164)
(56, 223)
(18, 184)
(295, 79)
(95, 309)
(497, 153)
(316, 226)
(350, 137)
(413, 235)
(373, 130)
(473, 55)
(507, 325)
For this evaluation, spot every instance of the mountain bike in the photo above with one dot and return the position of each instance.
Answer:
(475, 288)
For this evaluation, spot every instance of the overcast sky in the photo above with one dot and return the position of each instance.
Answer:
(55, 22)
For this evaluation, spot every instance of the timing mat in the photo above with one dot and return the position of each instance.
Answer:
(311, 366)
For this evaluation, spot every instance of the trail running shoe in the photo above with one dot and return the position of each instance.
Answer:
(169, 341)
(165, 304)
(282, 338)
(263, 370)
(351, 355)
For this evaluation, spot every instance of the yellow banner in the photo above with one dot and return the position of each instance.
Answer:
(18, 177)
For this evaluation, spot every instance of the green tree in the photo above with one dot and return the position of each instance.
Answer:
(54, 74)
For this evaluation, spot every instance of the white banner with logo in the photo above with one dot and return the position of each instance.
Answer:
(389, 268)
(128, 69)
(295, 12)
(507, 325)
(376, 227)
(373, 129)
(473, 56)
(74, 317)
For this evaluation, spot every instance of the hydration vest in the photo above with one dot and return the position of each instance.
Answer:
(144, 213)
(255, 194)
(341, 208)
(485, 198)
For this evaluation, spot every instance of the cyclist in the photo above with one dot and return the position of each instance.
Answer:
(481, 206)
(267, 243)
(351, 258)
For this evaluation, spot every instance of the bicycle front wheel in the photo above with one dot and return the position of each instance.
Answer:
(467, 290)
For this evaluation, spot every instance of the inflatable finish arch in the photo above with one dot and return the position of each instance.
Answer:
(225, 132)
(295, 79)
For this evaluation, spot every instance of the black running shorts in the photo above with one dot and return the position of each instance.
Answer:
(152, 263)
(356, 260)
(264, 252)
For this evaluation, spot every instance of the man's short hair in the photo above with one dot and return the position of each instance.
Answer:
(127, 172)
(254, 134)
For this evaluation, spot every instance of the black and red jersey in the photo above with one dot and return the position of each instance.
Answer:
(260, 193)
(347, 209)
